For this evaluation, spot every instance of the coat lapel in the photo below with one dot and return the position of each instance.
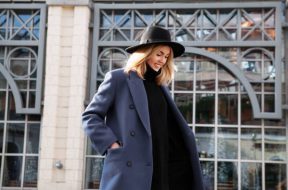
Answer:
(139, 97)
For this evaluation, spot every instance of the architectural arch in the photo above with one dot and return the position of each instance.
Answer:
(14, 89)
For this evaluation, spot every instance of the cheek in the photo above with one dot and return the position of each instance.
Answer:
(151, 60)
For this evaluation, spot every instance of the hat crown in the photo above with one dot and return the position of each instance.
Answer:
(155, 34)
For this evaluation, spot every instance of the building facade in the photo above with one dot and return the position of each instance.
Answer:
(230, 86)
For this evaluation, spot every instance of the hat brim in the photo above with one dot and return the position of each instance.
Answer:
(177, 48)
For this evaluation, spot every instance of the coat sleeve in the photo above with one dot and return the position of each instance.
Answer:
(93, 118)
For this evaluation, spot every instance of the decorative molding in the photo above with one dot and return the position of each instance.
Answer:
(68, 2)
(198, 25)
(23, 42)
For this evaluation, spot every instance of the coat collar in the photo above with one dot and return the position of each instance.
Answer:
(140, 100)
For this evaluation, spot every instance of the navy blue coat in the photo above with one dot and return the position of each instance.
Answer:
(119, 112)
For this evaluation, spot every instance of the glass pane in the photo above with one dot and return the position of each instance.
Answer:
(226, 81)
(121, 20)
(138, 33)
(275, 175)
(12, 109)
(31, 172)
(117, 54)
(19, 67)
(15, 138)
(255, 35)
(269, 87)
(33, 133)
(22, 34)
(269, 103)
(251, 176)
(208, 174)
(116, 64)
(121, 36)
(185, 104)
(205, 106)
(32, 84)
(274, 122)
(205, 138)
(24, 98)
(34, 117)
(275, 144)
(142, 17)
(93, 172)
(205, 76)
(268, 70)
(184, 76)
(161, 21)
(105, 19)
(257, 87)
(103, 67)
(270, 20)
(12, 171)
(183, 35)
(22, 84)
(228, 109)
(105, 35)
(36, 21)
(227, 34)
(32, 100)
(22, 17)
(89, 148)
(247, 113)
(1, 136)
(227, 175)
(2, 104)
(252, 69)
(251, 144)
(227, 143)
(2, 80)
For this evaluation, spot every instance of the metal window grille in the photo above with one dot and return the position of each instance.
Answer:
(233, 58)
(22, 36)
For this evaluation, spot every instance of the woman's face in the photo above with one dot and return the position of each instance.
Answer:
(159, 57)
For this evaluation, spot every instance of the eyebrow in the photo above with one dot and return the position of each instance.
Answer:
(164, 53)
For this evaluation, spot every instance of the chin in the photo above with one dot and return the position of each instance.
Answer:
(156, 69)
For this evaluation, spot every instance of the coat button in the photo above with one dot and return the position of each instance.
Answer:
(129, 164)
(131, 106)
(132, 133)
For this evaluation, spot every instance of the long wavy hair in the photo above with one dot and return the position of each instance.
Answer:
(137, 63)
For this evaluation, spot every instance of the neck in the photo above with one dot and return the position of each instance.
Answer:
(151, 74)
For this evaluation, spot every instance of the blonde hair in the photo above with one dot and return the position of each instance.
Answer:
(137, 63)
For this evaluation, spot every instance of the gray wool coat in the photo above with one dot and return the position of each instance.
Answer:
(119, 112)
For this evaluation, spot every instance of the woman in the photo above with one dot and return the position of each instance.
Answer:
(134, 121)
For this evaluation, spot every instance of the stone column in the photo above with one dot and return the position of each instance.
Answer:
(62, 137)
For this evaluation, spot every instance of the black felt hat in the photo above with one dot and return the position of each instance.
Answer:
(157, 35)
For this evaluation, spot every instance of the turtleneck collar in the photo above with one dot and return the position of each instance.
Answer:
(150, 73)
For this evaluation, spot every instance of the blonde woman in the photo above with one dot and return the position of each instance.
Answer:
(134, 121)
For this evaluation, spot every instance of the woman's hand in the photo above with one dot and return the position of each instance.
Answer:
(114, 145)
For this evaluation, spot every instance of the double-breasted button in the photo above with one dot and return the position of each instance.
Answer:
(129, 164)
(132, 133)
(131, 106)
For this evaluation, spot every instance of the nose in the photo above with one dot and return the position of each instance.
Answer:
(163, 60)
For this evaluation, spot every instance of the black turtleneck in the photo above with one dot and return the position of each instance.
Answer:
(158, 122)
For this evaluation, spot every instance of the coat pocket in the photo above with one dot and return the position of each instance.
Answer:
(114, 155)
(112, 169)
